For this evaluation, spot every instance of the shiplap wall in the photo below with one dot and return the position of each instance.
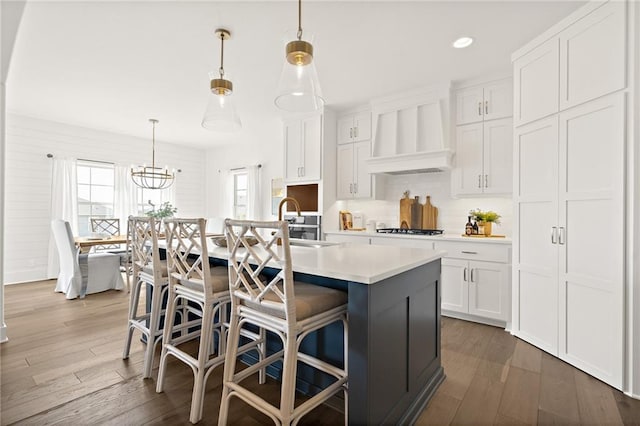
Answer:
(28, 181)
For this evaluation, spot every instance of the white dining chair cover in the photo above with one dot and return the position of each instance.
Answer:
(82, 274)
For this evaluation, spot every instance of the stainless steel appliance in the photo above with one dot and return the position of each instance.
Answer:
(306, 227)
(409, 231)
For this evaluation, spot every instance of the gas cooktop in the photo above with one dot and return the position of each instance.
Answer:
(410, 231)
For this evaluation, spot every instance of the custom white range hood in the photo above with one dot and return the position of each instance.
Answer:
(410, 132)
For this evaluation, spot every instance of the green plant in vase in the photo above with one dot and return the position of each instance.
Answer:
(485, 219)
(165, 210)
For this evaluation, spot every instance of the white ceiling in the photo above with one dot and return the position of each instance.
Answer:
(112, 65)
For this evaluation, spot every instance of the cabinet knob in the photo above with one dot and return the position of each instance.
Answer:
(479, 108)
(351, 132)
(486, 181)
(464, 274)
(355, 132)
(479, 181)
(561, 235)
(554, 235)
(486, 107)
(350, 188)
(471, 280)
(355, 188)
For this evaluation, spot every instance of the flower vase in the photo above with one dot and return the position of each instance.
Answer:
(487, 228)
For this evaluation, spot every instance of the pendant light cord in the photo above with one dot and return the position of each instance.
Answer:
(153, 146)
(299, 19)
(221, 70)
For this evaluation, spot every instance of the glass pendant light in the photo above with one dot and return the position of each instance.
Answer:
(221, 115)
(299, 88)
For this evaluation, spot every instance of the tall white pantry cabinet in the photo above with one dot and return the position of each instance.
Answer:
(573, 112)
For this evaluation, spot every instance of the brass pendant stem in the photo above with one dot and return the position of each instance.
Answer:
(299, 19)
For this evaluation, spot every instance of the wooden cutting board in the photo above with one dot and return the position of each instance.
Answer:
(406, 204)
(429, 215)
(416, 214)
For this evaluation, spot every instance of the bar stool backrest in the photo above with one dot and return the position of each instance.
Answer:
(248, 260)
(145, 253)
(187, 256)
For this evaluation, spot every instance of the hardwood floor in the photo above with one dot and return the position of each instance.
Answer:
(63, 365)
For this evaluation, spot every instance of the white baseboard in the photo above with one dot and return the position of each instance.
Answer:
(3, 333)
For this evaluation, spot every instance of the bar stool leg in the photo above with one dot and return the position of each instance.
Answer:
(197, 397)
(154, 324)
(289, 367)
(233, 341)
(166, 338)
(133, 311)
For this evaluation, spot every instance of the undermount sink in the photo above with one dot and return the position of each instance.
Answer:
(308, 243)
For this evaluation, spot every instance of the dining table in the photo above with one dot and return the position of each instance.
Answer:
(85, 243)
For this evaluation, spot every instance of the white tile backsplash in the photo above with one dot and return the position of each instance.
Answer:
(452, 212)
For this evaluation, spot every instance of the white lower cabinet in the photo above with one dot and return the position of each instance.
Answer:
(476, 288)
(476, 281)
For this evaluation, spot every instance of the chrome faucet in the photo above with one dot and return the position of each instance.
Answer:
(283, 201)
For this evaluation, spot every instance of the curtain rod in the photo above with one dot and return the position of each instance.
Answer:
(49, 155)
(243, 168)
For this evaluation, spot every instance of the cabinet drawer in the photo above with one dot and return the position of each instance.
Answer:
(471, 251)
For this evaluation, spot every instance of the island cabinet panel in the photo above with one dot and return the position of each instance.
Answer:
(394, 367)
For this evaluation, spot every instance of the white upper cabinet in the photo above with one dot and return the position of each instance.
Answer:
(487, 102)
(581, 63)
(484, 140)
(353, 179)
(536, 80)
(354, 128)
(593, 55)
(303, 149)
(484, 158)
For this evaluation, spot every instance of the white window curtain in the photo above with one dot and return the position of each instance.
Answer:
(64, 204)
(254, 193)
(125, 196)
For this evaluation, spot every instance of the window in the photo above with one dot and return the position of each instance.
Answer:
(95, 193)
(240, 189)
(150, 199)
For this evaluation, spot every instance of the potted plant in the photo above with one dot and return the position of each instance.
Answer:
(165, 210)
(485, 219)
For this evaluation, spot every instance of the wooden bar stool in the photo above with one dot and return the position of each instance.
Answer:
(148, 269)
(192, 279)
(290, 310)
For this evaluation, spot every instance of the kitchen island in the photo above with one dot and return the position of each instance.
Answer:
(394, 325)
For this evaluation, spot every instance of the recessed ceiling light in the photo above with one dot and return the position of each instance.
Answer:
(463, 42)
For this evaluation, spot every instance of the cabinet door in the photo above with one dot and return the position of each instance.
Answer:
(591, 268)
(498, 100)
(469, 105)
(344, 171)
(593, 55)
(362, 126)
(312, 147)
(345, 130)
(498, 156)
(362, 179)
(488, 290)
(536, 76)
(469, 159)
(293, 153)
(454, 276)
(535, 255)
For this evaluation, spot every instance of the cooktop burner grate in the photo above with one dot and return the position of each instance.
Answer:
(410, 231)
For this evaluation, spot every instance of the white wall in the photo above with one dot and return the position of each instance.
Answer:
(10, 18)
(267, 151)
(452, 213)
(28, 181)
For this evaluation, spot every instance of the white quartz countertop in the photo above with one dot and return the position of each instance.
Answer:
(361, 263)
(445, 237)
